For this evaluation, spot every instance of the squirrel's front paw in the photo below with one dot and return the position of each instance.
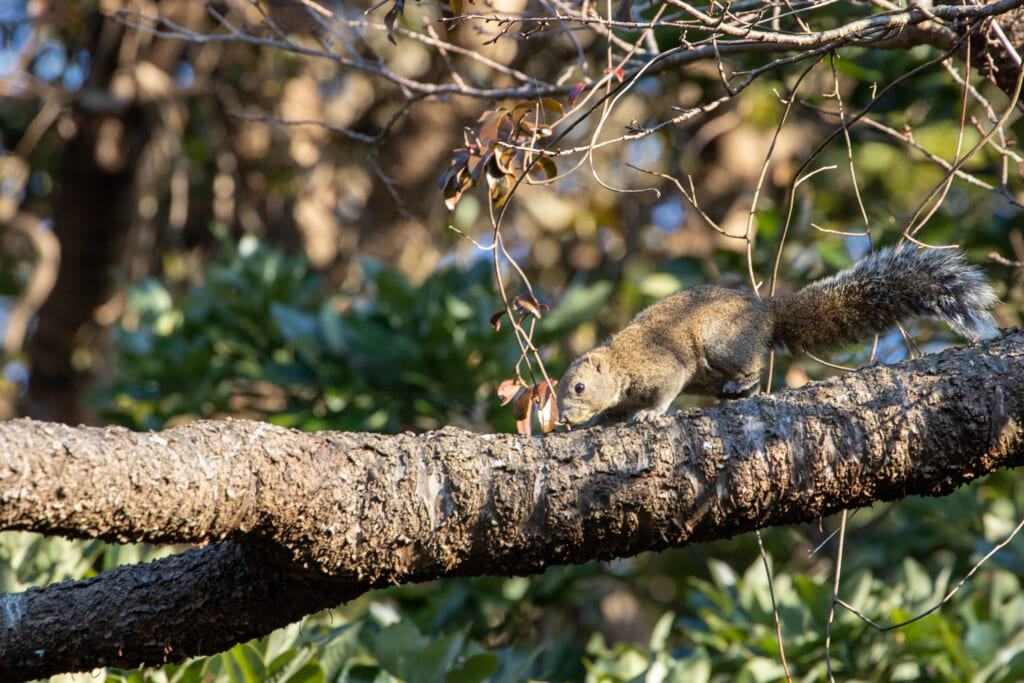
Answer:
(741, 388)
(645, 415)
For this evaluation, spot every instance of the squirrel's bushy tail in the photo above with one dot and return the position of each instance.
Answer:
(888, 287)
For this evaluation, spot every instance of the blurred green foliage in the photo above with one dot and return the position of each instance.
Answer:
(260, 336)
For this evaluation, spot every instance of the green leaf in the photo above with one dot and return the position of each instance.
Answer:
(192, 672)
(332, 327)
(308, 673)
(722, 574)
(457, 308)
(245, 663)
(762, 670)
(396, 645)
(294, 665)
(515, 666)
(918, 580)
(293, 323)
(906, 671)
(695, 668)
(814, 593)
(280, 641)
(661, 631)
(476, 669)
(434, 661)
(334, 653)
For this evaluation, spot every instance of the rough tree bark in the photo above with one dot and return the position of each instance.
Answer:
(299, 522)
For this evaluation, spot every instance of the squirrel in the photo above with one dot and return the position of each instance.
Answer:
(714, 341)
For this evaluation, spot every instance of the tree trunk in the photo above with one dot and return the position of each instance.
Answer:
(94, 211)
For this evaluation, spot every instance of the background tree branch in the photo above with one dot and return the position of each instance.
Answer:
(304, 521)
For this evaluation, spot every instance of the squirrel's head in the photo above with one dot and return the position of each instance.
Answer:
(587, 389)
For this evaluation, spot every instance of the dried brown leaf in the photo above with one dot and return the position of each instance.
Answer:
(528, 302)
(524, 426)
(497, 126)
(523, 406)
(508, 389)
(478, 162)
(392, 16)
(496, 320)
(544, 167)
(500, 187)
(504, 160)
(547, 408)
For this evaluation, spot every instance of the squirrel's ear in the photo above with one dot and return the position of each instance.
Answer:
(596, 359)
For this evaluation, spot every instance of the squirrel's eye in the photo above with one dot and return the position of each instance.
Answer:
(579, 388)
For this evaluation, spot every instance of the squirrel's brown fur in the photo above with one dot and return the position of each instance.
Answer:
(714, 341)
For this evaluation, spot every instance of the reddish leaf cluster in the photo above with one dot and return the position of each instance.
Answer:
(503, 148)
(527, 397)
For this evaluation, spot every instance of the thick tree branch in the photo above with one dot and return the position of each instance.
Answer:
(310, 520)
(200, 601)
